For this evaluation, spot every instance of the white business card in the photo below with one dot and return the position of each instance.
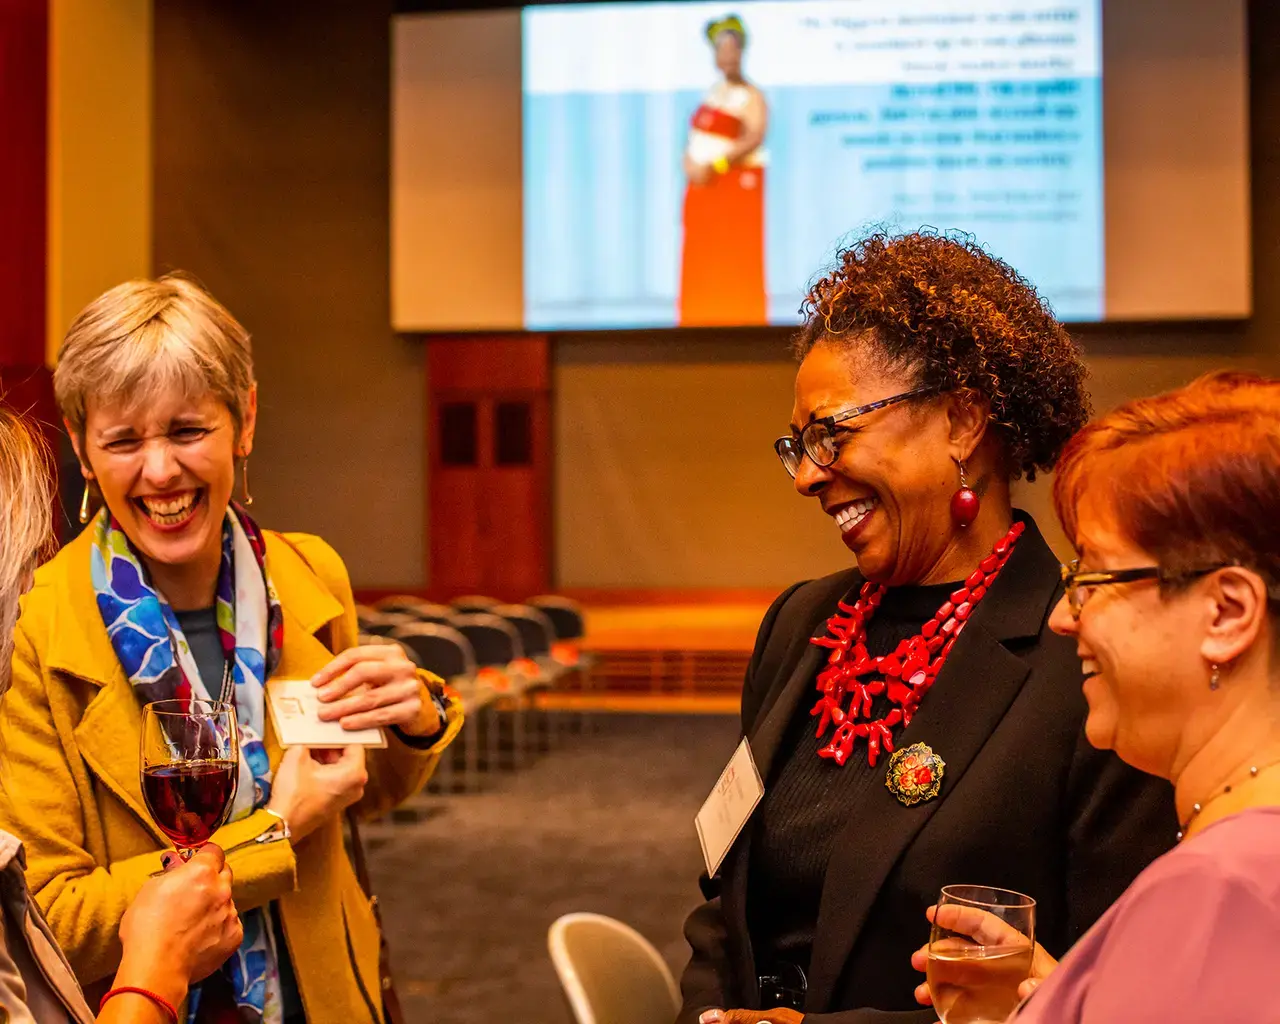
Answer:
(295, 710)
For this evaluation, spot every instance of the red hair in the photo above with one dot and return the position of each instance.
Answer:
(1191, 476)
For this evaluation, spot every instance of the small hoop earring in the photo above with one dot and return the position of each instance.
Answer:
(1215, 676)
(247, 498)
(85, 515)
(965, 502)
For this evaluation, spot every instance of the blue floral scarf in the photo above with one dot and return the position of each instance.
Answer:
(154, 654)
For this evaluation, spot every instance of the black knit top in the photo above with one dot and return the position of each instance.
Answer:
(808, 800)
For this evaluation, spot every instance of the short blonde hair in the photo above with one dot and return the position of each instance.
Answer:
(143, 339)
(26, 525)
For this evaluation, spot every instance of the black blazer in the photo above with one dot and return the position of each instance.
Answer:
(1026, 803)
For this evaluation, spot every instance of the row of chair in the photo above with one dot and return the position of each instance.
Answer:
(496, 634)
(498, 658)
(564, 616)
(495, 656)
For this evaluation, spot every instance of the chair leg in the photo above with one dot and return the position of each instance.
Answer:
(508, 720)
(494, 737)
(586, 719)
(519, 739)
(471, 754)
(551, 718)
(541, 722)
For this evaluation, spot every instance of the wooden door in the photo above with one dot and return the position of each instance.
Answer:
(489, 469)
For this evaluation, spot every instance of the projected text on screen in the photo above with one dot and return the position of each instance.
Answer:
(696, 164)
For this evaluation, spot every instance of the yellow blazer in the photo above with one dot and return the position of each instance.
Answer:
(71, 792)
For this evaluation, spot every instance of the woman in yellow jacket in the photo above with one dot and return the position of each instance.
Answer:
(173, 590)
(183, 923)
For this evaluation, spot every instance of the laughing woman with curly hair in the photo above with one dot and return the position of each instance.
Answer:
(915, 721)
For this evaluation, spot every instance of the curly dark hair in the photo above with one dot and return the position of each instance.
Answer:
(960, 318)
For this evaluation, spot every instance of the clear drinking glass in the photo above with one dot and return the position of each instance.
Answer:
(190, 768)
(980, 951)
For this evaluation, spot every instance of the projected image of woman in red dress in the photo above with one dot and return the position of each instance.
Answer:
(722, 265)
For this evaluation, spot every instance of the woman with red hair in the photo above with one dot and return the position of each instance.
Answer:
(1173, 503)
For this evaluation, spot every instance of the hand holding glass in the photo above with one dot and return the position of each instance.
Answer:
(980, 951)
(190, 767)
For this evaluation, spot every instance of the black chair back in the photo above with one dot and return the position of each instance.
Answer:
(399, 603)
(494, 640)
(473, 604)
(537, 633)
(386, 623)
(566, 616)
(439, 649)
(436, 614)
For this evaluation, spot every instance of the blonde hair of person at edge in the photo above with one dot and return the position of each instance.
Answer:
(172, 590)
(182, 923)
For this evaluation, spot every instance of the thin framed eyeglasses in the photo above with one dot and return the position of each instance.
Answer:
(818, 441)
(1079, 582)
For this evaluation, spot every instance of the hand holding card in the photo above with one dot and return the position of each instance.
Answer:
(295, 712)
(375, 686)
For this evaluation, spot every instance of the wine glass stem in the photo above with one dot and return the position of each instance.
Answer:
(187, 852)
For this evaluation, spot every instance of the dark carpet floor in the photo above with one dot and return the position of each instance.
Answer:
(603, 823)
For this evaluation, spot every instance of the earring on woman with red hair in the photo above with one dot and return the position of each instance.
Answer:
(965, 502)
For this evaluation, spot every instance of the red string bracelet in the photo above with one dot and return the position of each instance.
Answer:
(159, 1000)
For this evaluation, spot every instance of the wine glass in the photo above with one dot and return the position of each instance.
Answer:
(980, 951)
(190, 767)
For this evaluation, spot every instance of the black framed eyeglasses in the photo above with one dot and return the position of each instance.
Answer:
(1079, 582)
(818, 441)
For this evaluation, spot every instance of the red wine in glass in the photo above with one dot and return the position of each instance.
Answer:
(190, 801)
(190, 767)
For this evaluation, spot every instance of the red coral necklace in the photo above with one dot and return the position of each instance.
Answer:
(906, 675)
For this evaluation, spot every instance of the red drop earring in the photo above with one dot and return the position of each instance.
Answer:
(965, 502)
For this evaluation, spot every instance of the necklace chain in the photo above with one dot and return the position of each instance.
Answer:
(1254, 772)
(905, 675)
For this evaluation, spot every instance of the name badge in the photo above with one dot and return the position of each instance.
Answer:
(726, 810)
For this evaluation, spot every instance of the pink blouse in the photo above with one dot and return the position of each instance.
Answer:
(1195, 938)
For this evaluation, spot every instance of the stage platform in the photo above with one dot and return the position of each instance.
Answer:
(686, 658)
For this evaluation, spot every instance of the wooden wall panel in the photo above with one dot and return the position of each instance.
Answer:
(488, 362)
(272, 153)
